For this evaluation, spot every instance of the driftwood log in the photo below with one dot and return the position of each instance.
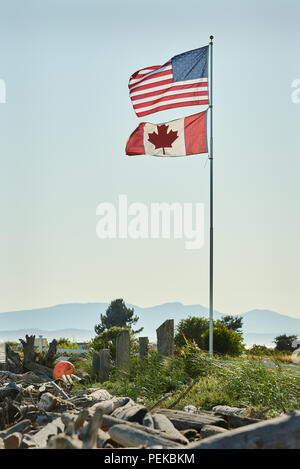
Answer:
(110, 405)
(185, 420)
(11, 390)
(13, 359)
(22, 426)
(109, 421)
(279, 433)
(50, 355)
(164, 425)
(73, 422)
(28, 377)
(128, 436)
(148, 420)
(211, 430)
(16, 365)
(131, 413)
(13, 441)
(235, 421)
(91, 434)
(51, 429)
(30, 356)
(63, 441)
(234, 416)
(49, 402)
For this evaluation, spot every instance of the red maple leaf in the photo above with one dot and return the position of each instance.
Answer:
(162, 139)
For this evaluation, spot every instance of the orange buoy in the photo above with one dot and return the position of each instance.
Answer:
(63, 368)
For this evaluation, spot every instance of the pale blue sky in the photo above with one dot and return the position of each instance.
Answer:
(63, 130)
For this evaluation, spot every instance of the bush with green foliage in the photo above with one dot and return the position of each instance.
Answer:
(225, 341)
(191, 329)
(260, 351)
(64, 342)
(83, 363)
(190, 355)
(196, 329)
(107, 339)
(284, 342)
(13, 345)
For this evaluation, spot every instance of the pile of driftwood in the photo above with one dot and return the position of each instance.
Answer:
(37, 412)
(41, 415)
(43, 368)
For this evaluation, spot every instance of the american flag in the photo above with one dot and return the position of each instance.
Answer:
(183, 81)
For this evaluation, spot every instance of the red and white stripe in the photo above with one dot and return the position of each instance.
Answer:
(152, 89)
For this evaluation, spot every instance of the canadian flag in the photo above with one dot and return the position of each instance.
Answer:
(181, 137)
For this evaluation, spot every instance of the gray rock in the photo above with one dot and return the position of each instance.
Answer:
(190, 408)
(227, 410)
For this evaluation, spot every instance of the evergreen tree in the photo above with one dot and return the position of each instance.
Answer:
(235, 323)
(117, 315)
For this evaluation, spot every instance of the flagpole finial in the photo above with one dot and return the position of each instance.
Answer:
(211, 38)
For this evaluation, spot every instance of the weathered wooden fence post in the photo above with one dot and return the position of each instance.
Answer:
(143, 347)
(2, 356)
(165, 338)
(123, 350)
(40, 342)
(104, 365)
(95, 365)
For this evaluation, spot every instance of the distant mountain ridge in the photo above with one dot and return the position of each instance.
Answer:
(78, 335)
(77, 320)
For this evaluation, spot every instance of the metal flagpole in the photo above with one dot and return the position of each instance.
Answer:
(211, 212)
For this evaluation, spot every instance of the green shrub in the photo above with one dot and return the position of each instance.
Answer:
(107, 339)
(260, 351)
(194, 360)
(225, 341)
(64, 342)
(284, 343)
(83, 363)
(196, 329)
(191, 329)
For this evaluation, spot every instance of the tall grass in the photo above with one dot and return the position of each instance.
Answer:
(148, 379)
(236, 382)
